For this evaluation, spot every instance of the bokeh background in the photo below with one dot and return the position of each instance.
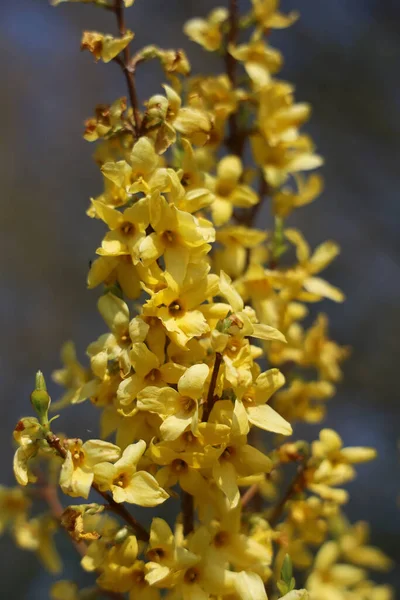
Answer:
(344, 58)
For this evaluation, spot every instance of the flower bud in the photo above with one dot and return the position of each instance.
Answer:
(40, 399)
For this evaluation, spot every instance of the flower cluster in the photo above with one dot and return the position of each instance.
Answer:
(211, 353)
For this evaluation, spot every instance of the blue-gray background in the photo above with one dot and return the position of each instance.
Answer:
(344, 58)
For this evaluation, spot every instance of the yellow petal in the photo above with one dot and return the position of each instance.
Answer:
(225, 477)
(144, 490)
(229, 293)
(267, 418)
(249, 586)
(192, 382)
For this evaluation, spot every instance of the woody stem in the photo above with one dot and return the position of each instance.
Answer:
(124, 63)
(119, 509)
(235, 141)
(210, 396)
(296, 486)
(187, 512)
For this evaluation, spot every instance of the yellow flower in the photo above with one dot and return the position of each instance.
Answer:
(105, 47)
(260, 61)
(114, 346)
(287, 157)
(136, 173)
(28, 435)
(63, 589)
(322, 352)
(179, 305)
(166, 556)
(179, 409)
(279, 117)
(127, 229)
(148, 371)
(13, 506)
(239, 549)
(165, 116)
(178, 236)
(334, 464)
(111, 269)
(269, 17)
(76, 476)
(330, 579)
(37, 535)
(303, 275)
(207, 32)
(181, 463)
(73, 376)
(354, 548)
(199, 573)
(236, 460)
(302, 400)
(236, 241)
(126, 483)
(251, 406)
(285, 200)
(228, 191)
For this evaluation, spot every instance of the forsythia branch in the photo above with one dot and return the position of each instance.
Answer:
(113, 506)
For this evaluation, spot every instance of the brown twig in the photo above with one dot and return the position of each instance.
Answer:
(49, 494)
(235, 142)
(248, 496)
(119, 509)
(210, 396)
(296, 486)
(124, 64)
(187, 512)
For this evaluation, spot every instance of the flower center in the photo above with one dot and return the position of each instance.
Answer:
(248, 398)
(228, 453)
(156, 554)
(154, 376)
(192, 575)
(127, 228)
(138, 577)
(188, 404)
(179, 466)
(221, 539)
(175, 308)
(169, 238)
(122, 480)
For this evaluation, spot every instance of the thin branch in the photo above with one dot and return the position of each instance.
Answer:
(210, 396)
(119, 509)
(249, 494)
(294, 488)
(49, 494)
(235, 142)
(124, 64)
(187, 512)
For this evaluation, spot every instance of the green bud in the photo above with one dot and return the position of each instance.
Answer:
(287, 569)
(40, 382)
(40, 399)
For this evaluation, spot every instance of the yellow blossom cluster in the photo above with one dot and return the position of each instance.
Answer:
(204, 346)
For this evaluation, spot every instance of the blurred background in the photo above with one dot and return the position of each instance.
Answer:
(343, 58)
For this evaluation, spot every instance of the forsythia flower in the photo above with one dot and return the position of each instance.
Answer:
(126, 483)
(105, 47)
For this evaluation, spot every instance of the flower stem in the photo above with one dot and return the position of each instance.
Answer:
(124, 64)
(296, 486)
(187, 512)
(235, 141)
(210, 396)
(119, 509)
